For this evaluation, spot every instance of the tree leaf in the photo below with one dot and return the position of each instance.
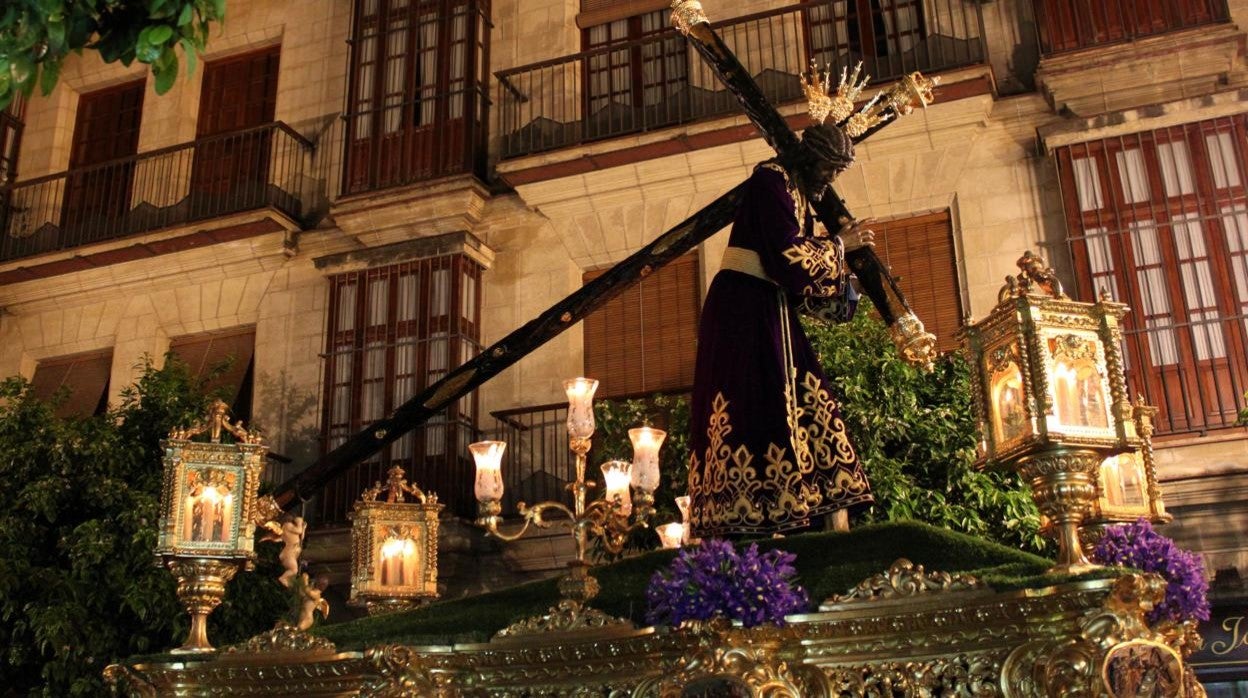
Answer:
(166, 73)
(189, 50)
(187, 14)
(51, 73)
(159, 34)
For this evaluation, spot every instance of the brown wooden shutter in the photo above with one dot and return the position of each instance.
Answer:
(238, 92)
(204, 353)
(106, 128)
(84, 375)
(919, 251)
(645, 339)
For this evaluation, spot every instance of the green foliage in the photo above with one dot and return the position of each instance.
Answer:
(79, 504)
(916, 435)
(37, 35)
(668, 412)
(827, 564)
(1243, 413)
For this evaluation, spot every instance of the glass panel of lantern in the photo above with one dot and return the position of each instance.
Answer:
(1078, 387)
(209, 491)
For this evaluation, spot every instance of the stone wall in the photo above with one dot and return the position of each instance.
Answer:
(982, 154)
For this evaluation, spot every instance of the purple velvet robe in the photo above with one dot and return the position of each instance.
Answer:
(769, 451)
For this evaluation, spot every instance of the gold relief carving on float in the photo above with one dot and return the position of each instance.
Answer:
(975, 675)
(746, 661)
(284, 637)
(905, 579)
(404, 673)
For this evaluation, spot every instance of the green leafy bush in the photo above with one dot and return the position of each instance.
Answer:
(79, 505)
(37, 35)
(916, 434)
(667, 412)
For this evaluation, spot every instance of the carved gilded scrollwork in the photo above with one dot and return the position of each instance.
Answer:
(125, 681)
(750, 661)
(284, 637)
(904, 578)
(402, 672)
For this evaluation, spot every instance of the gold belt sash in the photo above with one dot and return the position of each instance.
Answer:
(744, 261)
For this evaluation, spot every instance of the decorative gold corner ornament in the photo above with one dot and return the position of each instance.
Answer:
(686, 14)
(571, 614)
(904, 579)
(916, 345)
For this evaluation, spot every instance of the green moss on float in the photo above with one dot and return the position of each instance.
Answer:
(828, 564)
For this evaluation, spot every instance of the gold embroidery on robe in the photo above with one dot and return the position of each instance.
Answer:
(821, 261)
(730, 497)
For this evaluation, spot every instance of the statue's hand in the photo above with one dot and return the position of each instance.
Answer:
(855, 234)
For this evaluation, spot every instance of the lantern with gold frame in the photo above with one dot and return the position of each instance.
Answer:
(208, 514)
(1050, 396)
(1128, 488)
(394, 546)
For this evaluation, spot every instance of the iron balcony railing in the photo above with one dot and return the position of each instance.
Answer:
(1071, 25)
(658, 82)
(214, 176)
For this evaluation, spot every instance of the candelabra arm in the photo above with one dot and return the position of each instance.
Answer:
(533, 516)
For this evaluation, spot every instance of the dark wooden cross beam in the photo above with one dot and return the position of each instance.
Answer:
(878, 285)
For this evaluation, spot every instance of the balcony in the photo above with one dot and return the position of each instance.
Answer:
(261, 167)
(657, 82)
(1071, 25)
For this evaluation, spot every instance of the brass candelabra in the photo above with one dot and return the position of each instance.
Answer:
(610, 518)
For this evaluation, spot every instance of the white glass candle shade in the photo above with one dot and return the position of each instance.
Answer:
(646, 444)
(671, 535)
(580, 393)
(489, 459)
(616, 476)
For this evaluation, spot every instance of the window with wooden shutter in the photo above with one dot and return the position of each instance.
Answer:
(645, 339)
(919, 252)
(393, 331)
(880, 33)
(84, 377)
(106, 128)
(239, 93)
(416, 101)
(226, 360)
(1159, 220)
(1068, 25)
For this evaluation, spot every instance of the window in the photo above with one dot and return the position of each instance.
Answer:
(416, 107)
(238, 94)
(843, 32)
(638, 84)
(919, 253)
(1066, 25)
(11, 124)
(1159, 220)
(646, 339)
(107, 128)
(83, 377)
(393, 331)
(226, 360)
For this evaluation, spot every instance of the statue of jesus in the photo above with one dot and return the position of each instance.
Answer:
(769, 451)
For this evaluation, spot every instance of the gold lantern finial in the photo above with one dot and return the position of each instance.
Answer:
(394, 544)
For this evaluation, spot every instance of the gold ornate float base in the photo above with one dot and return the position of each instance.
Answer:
(903, 633)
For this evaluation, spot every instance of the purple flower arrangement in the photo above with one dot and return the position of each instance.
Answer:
(715, 580)
(1138, 545)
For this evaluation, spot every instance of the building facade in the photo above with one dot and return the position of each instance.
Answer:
(351, 197)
